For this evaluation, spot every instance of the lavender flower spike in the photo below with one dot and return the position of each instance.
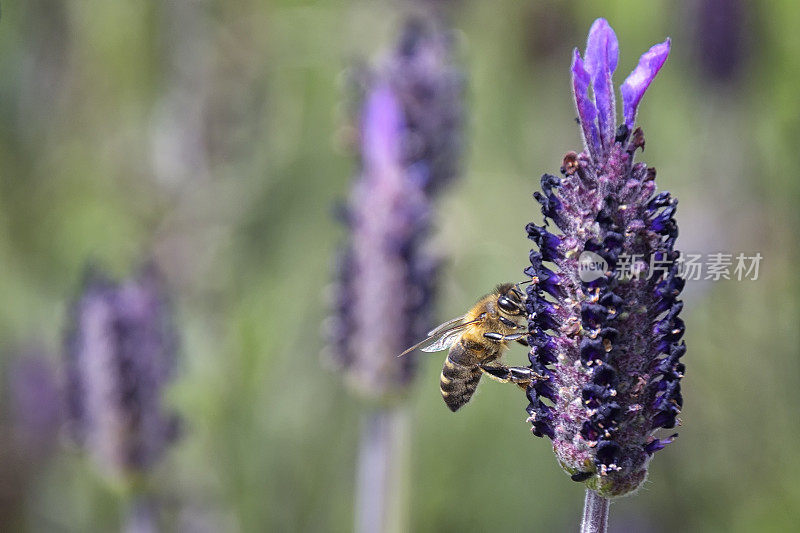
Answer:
(409, 144)
(384, 288)
(607, 339)
(120, 355)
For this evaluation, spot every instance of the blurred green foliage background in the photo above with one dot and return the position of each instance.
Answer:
(211, 135)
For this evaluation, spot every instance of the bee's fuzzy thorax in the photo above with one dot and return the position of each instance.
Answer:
(609, 346)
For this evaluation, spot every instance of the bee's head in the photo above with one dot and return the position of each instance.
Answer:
(510, 299)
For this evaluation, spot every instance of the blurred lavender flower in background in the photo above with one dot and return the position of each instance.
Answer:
(120, 355)
(608, 344)
(410, 140)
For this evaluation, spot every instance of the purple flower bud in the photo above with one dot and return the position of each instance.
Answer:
(587, 112)
(602, 52)
(607, 340)
(410, 141)
(639, 80)
(120, 355)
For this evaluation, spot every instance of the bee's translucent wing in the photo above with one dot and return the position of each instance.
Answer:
(447, 325)
(444, 340)
(442, 337)
(438, 341)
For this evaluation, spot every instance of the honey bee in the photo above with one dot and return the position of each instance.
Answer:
(476, 341)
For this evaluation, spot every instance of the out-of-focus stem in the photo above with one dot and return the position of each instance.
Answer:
(595, 513)
(142, 516)
(382, 482)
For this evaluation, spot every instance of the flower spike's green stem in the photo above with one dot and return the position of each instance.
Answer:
(595, 513)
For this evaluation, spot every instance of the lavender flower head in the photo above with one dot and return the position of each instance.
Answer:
(120, 355)
(409, 144)
(608, 341)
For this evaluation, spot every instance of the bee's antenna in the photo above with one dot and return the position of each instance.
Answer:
(517, 288)
(532, 280)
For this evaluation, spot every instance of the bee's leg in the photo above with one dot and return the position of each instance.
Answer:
(499, 337)
(520, 375)
(511, 324)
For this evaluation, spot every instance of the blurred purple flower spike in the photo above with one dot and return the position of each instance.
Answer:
(410, 143)
(598, 117)
(120, 355)
(383, 294)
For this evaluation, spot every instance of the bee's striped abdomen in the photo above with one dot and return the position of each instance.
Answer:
(458, 380)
